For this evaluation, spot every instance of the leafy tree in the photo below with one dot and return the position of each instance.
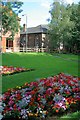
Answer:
(54, 32)
(60, 25)
(75, 17)
(10, 19)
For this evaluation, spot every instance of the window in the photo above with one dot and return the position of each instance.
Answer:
(9, 43)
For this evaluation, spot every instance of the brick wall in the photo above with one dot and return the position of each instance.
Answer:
(16, 41)
(3, 43)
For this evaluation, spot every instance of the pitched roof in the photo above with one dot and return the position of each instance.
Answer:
(37, 29)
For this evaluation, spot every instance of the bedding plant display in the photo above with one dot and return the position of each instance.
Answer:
(5, 70)
(48, 96)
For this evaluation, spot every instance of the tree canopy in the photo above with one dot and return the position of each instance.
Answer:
(64, 26)
(10, 20)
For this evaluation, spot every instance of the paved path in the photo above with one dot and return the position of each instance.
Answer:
(67, 59)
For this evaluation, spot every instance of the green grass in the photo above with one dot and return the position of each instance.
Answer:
(45, 65)
(73, 116)
(68, 56)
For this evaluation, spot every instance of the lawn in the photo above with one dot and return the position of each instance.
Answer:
(68, 56)
(70, 116)
(73, 116)
(45, 65)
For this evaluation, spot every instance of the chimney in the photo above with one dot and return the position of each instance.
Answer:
(24, 28)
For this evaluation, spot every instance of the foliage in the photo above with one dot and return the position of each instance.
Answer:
(10, 19)
(75, 17)
(73, 116)
(64, 26)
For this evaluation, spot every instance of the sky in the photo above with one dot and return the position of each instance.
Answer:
(36, 12)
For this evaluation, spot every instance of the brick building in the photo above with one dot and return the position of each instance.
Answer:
(10, 45)
(34, 37)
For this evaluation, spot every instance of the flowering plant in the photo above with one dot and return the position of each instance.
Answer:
(52, 95)
(5, 70)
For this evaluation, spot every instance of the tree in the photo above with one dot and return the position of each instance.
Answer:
(75, 17)
(60, 26)
(54, 31)
(10, 19)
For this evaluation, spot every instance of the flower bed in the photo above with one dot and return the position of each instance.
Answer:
(48, 96)
(5, 70)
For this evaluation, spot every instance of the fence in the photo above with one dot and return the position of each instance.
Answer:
(32, 50)
(22, 49)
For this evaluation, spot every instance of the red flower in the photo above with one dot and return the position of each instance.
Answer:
(57, 111)
(38, 98)
(68, 92)
(32, 92)
(14, 106)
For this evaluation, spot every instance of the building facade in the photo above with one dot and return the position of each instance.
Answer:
(34, 37)
(10, 45)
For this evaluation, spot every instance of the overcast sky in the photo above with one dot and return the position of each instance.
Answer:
(37, 11)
